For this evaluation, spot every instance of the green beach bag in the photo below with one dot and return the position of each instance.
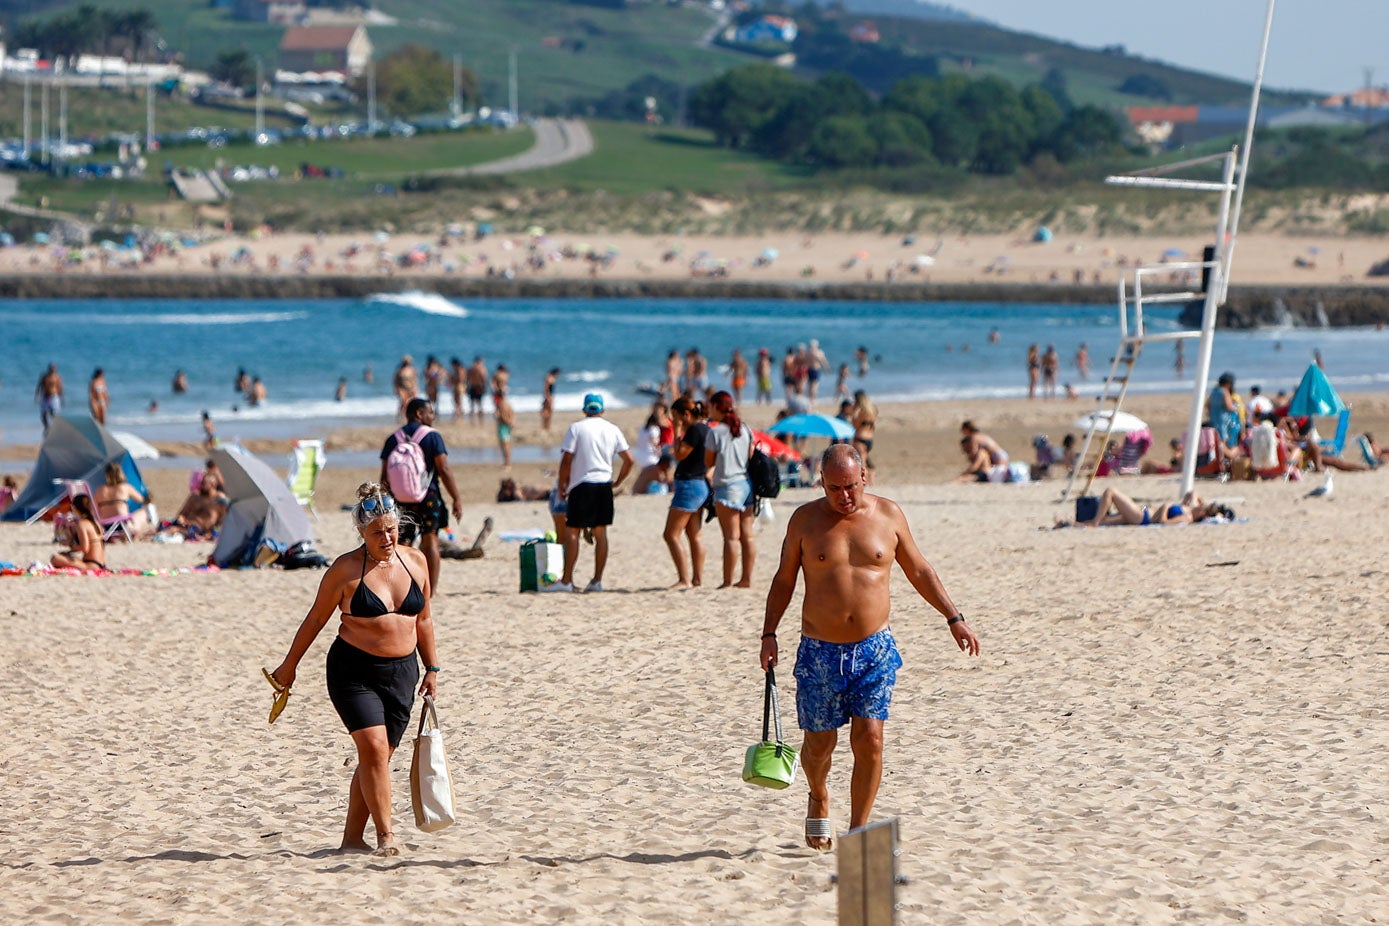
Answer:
(770, 764)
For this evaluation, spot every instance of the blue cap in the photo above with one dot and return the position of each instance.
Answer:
(593, 404)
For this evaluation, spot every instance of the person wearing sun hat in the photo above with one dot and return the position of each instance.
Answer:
(586, 484)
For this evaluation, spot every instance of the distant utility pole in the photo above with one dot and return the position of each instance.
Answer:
(260, 102)
(63, 116)
(149, 114)
(28, 141)
(43, 120)
(371, 96)
(1369, 94)
(511, 83)
(457, 105)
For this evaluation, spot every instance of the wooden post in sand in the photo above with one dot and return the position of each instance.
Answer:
(867, 875)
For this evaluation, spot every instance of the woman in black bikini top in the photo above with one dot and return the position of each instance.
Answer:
(366, 603)
(373, 672)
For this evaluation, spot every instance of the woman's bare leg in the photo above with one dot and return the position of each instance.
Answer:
(728, 523)
(354, 831)
(747, 543)
(1127, 510)
(373, 780)
(694, 534)
(677, 522)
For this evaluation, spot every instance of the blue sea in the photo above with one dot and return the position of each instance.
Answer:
(300, 348)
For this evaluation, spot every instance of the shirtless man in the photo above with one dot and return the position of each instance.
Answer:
(49, 395)
(406, 382)
(475, 381)
(202, 512)
(846, 543)
(983, 453)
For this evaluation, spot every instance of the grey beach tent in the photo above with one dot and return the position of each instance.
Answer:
(262, 509)
(75, 448)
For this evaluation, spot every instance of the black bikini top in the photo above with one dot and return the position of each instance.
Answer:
(366, 603)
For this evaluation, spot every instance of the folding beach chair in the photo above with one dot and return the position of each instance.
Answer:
(1337, 445)
(307, 460)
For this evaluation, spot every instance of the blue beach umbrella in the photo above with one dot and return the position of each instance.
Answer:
(813, 426)
(1315, 396)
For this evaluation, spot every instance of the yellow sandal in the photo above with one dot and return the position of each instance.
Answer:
(282, 692)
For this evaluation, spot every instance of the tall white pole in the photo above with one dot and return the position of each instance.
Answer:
(28, 140)
(1203, 354)
(1248, 145)
(512, 85)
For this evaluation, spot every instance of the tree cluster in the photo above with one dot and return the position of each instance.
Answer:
(415, 79)
(88, 30)
(985, 126)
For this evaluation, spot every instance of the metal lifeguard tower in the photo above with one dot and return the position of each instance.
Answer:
(1214, 269)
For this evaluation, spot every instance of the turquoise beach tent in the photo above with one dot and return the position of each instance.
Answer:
(75, 447)
(1315, 396)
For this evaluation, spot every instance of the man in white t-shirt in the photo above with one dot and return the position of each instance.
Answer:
(1259, 404)
(586, 485)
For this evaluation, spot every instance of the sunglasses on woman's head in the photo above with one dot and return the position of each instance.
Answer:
(383, 502)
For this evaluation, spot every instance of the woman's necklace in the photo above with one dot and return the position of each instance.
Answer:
(378, 562)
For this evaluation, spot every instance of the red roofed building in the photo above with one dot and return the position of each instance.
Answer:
(865, 32)
(345, 49)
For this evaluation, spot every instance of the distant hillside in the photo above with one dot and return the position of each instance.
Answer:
(571, 54)
(911, 9)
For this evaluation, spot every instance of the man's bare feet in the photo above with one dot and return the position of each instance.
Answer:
(817, 825)
(386, 846)
(351, 845)
(681, 585)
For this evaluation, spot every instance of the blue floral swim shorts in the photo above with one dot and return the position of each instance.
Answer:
(836, 681)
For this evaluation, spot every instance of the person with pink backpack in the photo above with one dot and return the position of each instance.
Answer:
(414, 460)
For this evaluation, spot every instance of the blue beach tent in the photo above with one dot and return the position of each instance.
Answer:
(75, 447)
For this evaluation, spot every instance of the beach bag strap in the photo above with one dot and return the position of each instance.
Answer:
(771, 709)
(428, 716)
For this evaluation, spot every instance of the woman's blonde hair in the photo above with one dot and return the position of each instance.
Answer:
(374, 501)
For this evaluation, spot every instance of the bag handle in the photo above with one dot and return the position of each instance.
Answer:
(771, 708)
(428, 714)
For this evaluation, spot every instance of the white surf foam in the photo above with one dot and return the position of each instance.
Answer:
(421, 301)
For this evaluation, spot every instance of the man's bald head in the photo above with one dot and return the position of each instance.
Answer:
(841, 455)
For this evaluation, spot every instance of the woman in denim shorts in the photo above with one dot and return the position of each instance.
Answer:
(690, 493)
(727, 451)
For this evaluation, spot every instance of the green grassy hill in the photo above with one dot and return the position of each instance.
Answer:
(567, 51)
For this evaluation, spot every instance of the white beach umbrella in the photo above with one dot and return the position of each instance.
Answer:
(1123, 421)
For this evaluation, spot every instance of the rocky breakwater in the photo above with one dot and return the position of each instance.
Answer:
(1303, 306)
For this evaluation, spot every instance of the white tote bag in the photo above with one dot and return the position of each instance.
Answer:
(431, 788)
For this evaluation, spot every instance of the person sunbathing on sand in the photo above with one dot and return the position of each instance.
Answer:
(88, 551)
(1126, 511)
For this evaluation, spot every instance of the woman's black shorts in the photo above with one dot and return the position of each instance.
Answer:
(590, 505)
(372, 691)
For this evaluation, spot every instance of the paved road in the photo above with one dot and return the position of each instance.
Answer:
(556, 141)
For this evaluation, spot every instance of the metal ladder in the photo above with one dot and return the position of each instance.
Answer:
(1131, 341)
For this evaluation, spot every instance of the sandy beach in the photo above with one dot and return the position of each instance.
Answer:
(1262, 257)
(1166, 724)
